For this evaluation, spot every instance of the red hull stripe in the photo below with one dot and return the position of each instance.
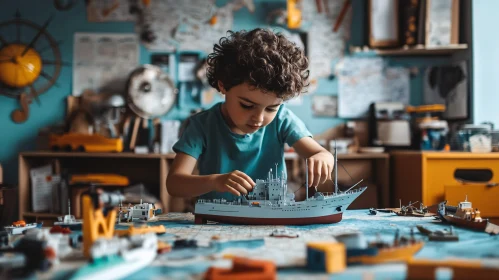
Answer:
(202, 219)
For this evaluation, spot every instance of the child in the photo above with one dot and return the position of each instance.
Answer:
(240, 140)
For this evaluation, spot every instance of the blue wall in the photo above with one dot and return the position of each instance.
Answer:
(485, 62)
(21, 137)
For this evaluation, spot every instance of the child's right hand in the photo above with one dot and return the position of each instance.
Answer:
(235, 182)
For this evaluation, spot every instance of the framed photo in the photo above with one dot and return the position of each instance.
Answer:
(325, 105)
(442, 23)
(383, 23)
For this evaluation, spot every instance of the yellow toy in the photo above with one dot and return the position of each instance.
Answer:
(140, 230)
(100, 179)
(85, 143)
(95, 224)
(326, 256)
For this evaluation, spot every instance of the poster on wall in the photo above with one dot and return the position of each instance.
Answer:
(190, 25)
(102, 61)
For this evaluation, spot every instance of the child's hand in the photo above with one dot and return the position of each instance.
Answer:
(320, 167)
(235, 182)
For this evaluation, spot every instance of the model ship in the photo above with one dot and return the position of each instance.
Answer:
(68, 221)
(411, 210)
(439, 235)
(270, 204)
(360, 252)
(20, 227)
(463, 215)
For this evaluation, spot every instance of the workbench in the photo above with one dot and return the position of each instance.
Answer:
(290, 254)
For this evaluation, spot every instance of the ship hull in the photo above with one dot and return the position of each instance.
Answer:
(468, 224)
(329, 219)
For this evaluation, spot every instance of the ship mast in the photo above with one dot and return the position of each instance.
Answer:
(306, 179)
(335, 169)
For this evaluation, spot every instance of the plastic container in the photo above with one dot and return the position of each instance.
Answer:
(475, 138)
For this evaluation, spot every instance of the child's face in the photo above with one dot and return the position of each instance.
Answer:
(247, 110)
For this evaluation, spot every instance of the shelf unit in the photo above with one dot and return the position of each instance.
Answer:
(419, 50)
(152, 170)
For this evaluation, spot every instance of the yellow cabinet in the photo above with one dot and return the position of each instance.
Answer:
(422, 176)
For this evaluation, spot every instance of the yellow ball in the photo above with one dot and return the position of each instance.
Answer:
(23, 70)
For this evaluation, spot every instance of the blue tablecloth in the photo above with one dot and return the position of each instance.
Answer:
(472, 244)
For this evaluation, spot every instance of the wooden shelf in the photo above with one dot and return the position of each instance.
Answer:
(412, 51)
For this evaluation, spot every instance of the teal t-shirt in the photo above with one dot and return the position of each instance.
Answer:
(208, 138)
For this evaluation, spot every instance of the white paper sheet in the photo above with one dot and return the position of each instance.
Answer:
(103, 60)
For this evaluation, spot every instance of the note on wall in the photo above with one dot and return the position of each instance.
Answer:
(363, 81)
(109, 10)
(102, 61)
(324, 44)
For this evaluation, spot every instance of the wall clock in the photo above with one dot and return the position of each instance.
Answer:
(30, 62)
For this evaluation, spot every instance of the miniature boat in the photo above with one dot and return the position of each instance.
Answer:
(284, 233)
(410, 210)
(142, 212)
(21, 226)
(372, 211)
(270, 204)
(439, 235)
(463, 215)
(68, 221)
(358, 251)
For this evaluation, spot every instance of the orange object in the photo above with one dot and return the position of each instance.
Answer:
(59, 229)
(244, 269)
(294, 14)
(85, 143)
(213, 20)
(24, 67)
(332, 256)
(100, 179)
(140, 230)
(20, 223)
(461, 269)
(397, 254)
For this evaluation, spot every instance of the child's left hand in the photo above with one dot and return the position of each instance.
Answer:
(320, 167)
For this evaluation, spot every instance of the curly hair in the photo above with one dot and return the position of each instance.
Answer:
(265, 60)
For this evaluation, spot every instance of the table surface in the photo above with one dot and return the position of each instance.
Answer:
(290, 254)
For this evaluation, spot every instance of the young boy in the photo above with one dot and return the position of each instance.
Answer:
(240, 140)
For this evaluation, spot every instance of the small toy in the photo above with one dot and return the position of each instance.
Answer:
(21, 226)
(329, 257)
(184, 244)
(284, 233)
(463, 215)
(243, 269)
(142, 212)
(133, 230)
(372, 211)
(359, 251)
(438, 235)
(85, 143)
(59, 229)
(68, 221)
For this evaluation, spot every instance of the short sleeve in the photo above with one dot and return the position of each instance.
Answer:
(291, 128)
(192, 140)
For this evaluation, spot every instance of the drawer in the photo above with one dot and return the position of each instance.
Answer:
(439, 172)
(483, 197)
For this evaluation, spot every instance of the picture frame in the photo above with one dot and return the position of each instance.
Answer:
(383, 24)
(442, 23)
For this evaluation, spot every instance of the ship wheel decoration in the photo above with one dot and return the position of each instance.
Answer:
(30, 62)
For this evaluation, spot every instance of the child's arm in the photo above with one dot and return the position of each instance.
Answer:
(182, 183)
(320, 161)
